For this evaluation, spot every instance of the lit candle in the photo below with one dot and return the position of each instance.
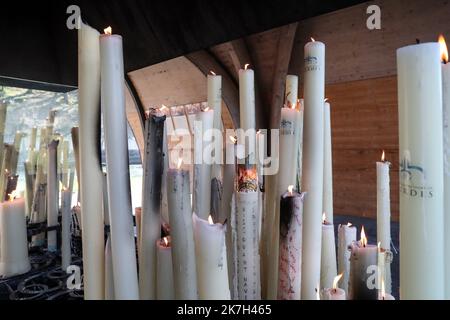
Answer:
(211, 253)
(150, 224)
(183, 247)
(202, 163)
(383, 295)
(328, 268)
(116, 145)
(290, 259)
(384, 215)
(164, 271)
(52, 194)
(363, 264)
(291, 91)
(334, 293)
(446, 122)
(327, 164)
(312, 179)
(13, 238)
(346, 235)
(421, 172)
(88, 162)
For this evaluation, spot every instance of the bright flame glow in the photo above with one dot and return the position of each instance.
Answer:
(313, 40)
(13, 195)
(444, 51)
(166, 241)
(210, 220)
(349, 224)
(108, 31)
(383, 290)
(318, 291)
(163, 107)
(233, 139)
(212, 72)
(290, 189)
(206, 109)
(383, 156)
(363, 237)
(180, 161)
(324, 217)
(326, 99)
(246, 66)
(336, 280)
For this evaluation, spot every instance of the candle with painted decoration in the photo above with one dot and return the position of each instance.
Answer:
(164, 271)
(334, 293)
(328, 268)
(202, 162)
(312, 179)
(363, 265)
(116, 145)
(212, 266)
(421, 172)
(13, 237)
(446, 123)
(384, 215)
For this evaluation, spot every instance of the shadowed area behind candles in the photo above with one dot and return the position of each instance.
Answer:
(370, 228)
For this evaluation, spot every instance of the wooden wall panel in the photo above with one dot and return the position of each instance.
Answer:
(364, 122)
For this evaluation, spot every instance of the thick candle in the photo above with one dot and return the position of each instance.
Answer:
(334, 293)
(164, 270)
(116, 144)
(312, 179)
(421, 172)
(346, 235)
(328, 268)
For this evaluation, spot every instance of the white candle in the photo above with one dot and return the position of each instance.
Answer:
(363, 261)
(327, 165)
(202, 163)
(446, 138)
(291, 92)
(247, 110)
(312, 179)
(211, 253)
(346, 235)
(384, 215)
(13, 238)
(215, 103)
(183, 247)
(150, 224)
(66, 254)
(116, 143)
(421, 172)
(52, 194)
(328, 268)
(290, 259)
(334, 293)
(109, 273)
(383, 295)
(164, 270)
(89, 170)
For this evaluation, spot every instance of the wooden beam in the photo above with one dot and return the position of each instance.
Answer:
(230, 91)
(285, 44)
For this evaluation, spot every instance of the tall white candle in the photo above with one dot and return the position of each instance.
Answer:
(446, 138)
(150, 221)
(89, 170)
(183, 247)
(13, 238)
(66, 254)
(327, 165)
(346, 236)
(202, 163)
(328, 268)
(211, 253)
(52, 194)
(290, 259)
(247, 110)
(116, 143)
(164, 270)
(215, 103)
(312, 179)
(421, 172)
(384, 216)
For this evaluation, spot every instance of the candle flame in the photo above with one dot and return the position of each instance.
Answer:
(233, 139)
(246, 66)
(180, 161)
(326, 99)
(210, 220)
(379, 246)
(163, 107)
(258, 132)
(290, 189)
(108, 31)
(318, 291)
(383, 156)
(206, 109)
(166, 241)
(336, 280)
(363, 238)
(14, 194)
(324, 218)
(313, 40)
(212, 72)
(443, 46)
(349, 224)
